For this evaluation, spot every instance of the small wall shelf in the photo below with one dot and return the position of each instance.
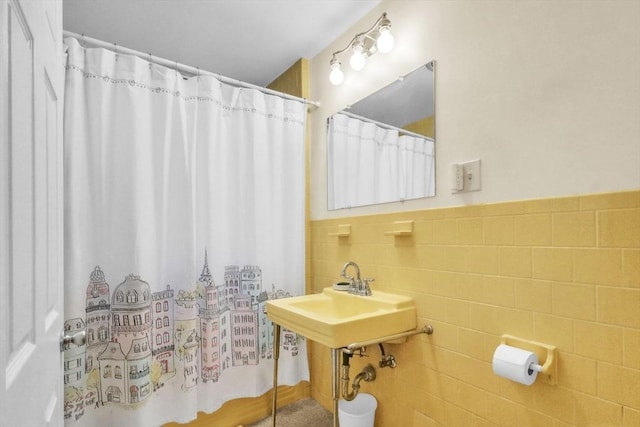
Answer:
(344, 230)
(401, 228)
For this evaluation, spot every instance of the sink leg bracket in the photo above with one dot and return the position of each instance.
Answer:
(426, 329)
(335, 384)
(276, 356)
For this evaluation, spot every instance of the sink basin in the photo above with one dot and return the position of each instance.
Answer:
(337, 319)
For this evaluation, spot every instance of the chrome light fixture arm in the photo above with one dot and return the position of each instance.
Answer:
(367, 33)
(363, 45)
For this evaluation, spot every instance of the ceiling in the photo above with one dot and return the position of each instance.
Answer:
(249, 40)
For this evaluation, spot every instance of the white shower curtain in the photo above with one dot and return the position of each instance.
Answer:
(362, 162)
(416, 167)
(184, 213)
(368, 163)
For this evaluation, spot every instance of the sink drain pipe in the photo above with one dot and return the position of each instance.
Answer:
(368, 373)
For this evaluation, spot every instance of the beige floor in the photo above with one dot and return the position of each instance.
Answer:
(306, 412)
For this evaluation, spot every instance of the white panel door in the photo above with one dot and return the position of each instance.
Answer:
(31, 208)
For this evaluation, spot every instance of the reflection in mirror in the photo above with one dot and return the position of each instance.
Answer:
(381, 149)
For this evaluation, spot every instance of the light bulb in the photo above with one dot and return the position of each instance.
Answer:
(358, 59)
(385, 40)
(336, 76)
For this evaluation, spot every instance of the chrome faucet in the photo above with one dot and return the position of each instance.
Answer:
(343, 273)
(357, 286)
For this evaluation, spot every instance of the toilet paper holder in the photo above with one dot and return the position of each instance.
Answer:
(546, 355)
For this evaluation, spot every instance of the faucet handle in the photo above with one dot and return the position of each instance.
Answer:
(366, 289)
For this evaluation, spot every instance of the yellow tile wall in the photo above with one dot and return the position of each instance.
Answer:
(565, 271)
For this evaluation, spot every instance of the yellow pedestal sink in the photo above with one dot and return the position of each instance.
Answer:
(337, 318)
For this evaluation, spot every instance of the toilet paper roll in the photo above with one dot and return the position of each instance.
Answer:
(515, 364)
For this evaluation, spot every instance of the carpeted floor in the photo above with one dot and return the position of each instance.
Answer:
(306, 412)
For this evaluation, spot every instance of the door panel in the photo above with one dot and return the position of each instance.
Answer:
(31, 84)
(21, 145)
(54, 222)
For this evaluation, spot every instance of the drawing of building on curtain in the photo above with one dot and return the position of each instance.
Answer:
(137, 340)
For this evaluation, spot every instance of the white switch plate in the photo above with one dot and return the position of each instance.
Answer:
(471, 175)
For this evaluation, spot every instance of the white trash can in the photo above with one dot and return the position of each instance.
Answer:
(360, 412)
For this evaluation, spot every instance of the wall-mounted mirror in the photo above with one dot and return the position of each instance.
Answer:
(381, 149)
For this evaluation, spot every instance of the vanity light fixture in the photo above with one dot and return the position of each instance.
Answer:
(377, 38)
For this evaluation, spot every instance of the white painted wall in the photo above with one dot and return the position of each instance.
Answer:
(546, 93)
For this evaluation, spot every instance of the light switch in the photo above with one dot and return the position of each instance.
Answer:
(465, 176)
(472, 175)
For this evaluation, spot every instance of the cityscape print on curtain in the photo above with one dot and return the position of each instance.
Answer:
(138, 340)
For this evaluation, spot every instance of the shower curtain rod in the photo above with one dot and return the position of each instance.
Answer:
(386, 126)
(194, 71)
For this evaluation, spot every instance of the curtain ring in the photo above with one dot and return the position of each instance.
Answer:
(115, 48)
(150, 60)
(198, 74)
